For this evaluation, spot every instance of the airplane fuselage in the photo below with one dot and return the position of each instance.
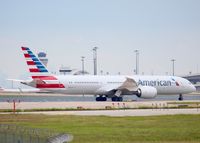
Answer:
(89, 84)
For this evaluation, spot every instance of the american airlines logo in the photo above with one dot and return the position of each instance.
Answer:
(155, 82)
(175, 82)
(158, 82)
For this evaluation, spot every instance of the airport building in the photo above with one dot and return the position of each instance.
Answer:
(65, 70)
(195, 79)
(68, 71)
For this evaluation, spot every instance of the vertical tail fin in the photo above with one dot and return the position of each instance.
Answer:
(36, 68)
(39, 72)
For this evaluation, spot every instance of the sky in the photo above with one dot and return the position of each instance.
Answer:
(67, 29)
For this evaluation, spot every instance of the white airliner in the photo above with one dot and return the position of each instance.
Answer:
(103, 87)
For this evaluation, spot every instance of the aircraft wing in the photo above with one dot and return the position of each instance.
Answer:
(129, 85)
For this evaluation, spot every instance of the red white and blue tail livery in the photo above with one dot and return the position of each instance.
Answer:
(103, 87)
(39, 73)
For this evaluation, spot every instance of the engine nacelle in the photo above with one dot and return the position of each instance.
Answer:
(147, 92)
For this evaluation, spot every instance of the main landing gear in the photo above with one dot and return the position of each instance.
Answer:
(101, 98)
(116, 98)
(104, 98)
(180, 97)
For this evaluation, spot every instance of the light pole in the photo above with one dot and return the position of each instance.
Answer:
(173, 60)
(95, 59)
(137, 62)
(82, 59)
(101, 72)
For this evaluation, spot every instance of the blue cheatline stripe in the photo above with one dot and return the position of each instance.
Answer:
(43, 70)
(37, 63)
(40, 67)
(32, 56)
(27, 48)
(35, 59)
(30, 52)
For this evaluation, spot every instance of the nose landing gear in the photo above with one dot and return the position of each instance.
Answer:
(180, 97)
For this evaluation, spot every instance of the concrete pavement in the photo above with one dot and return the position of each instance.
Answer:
(121, 113)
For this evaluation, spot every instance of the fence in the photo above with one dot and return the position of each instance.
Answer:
(17, 134)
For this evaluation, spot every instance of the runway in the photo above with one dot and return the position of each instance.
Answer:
(139, 108)
(99, 105)
(87, 106)
(44, 97)
(122, 113)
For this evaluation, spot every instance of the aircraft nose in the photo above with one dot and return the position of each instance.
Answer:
(193, 88)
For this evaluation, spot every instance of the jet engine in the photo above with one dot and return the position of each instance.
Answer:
(146, 92)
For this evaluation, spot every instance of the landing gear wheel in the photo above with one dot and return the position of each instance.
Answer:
(180, 97)
(100, 98)
(104, 98)
(115, 98)
(120, 99)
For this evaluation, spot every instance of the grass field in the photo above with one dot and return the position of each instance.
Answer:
(101, 129)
